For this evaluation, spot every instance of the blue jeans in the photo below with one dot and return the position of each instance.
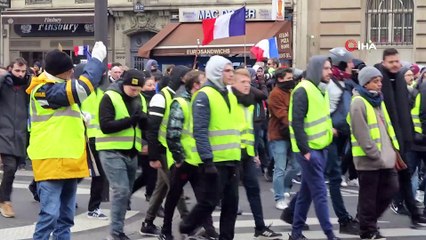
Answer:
(121, 173)
(281, 151)
(312, 188)
(249, 175)
(57, 209)
(334, 174)
(414, 159)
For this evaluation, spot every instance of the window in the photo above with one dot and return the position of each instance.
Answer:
(84, 1)
(29, 2)
(390, 22)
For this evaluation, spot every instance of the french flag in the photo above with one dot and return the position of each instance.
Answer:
(266, 48)
(82, 50)
(228, 25)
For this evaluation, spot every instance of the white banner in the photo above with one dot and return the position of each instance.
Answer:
(278, 10)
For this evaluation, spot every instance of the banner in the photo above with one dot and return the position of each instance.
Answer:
(278, 10)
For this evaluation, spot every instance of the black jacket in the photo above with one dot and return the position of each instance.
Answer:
(13, 116)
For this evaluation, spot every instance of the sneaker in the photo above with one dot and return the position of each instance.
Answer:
(297, 179)
(6, 210)
(287, 216)
(418, 222)
(267, 175)
(266, 233)
(350, 226)
(149, 229)
(165, 237)
(343, 183)
(160, 212)
(399, 209)
(281, 205)
(287, 198)
(419, 196)
(120, 236)
(210, 233)
(290, 237)
(374, 235)
(97, 214)
(353, 183)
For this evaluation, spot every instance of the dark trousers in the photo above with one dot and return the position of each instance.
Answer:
(213, 187)
(261, 145)
(179, 177)
(97, 186)
(312, 189)
(10, 165)
(249, 173)
(334, 174)
(376, 190)
(348, 163)
(414, 159)
(147, 178)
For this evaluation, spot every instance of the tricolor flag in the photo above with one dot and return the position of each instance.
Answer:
(266, 48)
(227, 25)
(82, 50)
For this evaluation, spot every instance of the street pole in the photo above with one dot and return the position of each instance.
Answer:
(1, 40)
(101, 34)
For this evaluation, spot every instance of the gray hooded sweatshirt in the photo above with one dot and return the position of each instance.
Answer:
(300, 102)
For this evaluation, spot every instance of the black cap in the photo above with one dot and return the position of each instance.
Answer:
(57, 62)
(133, 77)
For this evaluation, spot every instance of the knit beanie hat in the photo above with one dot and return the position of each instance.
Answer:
(133, 77)
(57, 62)
(367, 74)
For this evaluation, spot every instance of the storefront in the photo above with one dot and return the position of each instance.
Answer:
(179, 43)
(32, 34)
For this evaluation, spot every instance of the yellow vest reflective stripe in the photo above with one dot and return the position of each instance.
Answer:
(91, 106)
(373, 126)
(247, 131)
(317, 122)
(124, 139)
(224, 130)
(415, 115)
(55, 133)
(163, 127)
(186, 139)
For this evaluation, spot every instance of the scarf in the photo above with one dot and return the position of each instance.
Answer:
(287, 85)
(245, 99)
(339, 74)
(374, 98)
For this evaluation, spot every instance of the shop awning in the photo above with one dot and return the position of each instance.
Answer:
(180, 39)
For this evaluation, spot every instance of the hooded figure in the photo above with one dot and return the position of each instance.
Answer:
(175, 80)
(152, 66)
(214, 71)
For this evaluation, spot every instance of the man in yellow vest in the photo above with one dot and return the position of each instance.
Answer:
(184, 165)
(250, 162)
(57, 145)
(374, 147)
(122, 116)
(159, 109)
(311, 132)
(217, 136)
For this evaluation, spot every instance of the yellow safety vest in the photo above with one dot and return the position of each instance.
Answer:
(55, 133)
(246, 128)
(224, 129)
(163, 127)
(373, 126)
(91, 106)
(317, 122)
(187, 140)
(124, 139)
(415, 115)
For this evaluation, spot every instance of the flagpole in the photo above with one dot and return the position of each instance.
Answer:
(196, 53)
(245, 41)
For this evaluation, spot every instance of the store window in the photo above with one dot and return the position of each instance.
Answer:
(390, 22)
(29, 2)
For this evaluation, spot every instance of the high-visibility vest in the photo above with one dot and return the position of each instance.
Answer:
(373, 127)
(91, 106)
(415, 115)
(163, 127)
(125, 139)
(246, 128)
(224, 130)
(317, 122)
(187, 140)
(55, 133)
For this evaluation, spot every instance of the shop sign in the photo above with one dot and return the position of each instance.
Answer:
(284, 43)
(253, 13)
(54, 29)
(212, 51)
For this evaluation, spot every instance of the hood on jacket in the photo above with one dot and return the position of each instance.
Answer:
(214, 70)
(403, 71)
(150, 63)
(314, 69)
(117, 87)
(176, 76)
(421, 78)
(252, 73)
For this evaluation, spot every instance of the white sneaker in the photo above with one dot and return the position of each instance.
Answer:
(353, 183)
(343, 183)
(286, 198)
(419, 196)
(281, 205)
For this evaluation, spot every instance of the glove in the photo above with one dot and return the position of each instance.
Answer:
(136, 117)
(210, 168)
(99, 51)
